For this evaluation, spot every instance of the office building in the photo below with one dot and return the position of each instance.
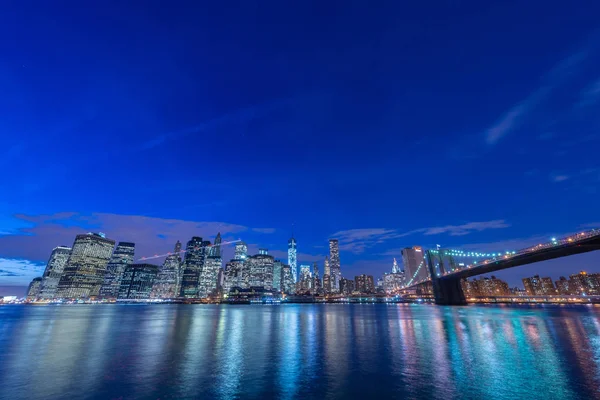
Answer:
(292, 260)
(236, 275)
(347, 286)
(562, 286)
(326, 284)
(53, 272)
(208, 276)
(393, 283)
(334, 265)
(415, 267)
(536, 286)
(287, 280)
(364, 284)
(33, 291)
(167, 283)
(261, 270)
(485, 287)
(121, 257)
(277, 266)
(241, 251)
(585, 284)
(196, 252)
(137, 281)
(395, 267)
(84, 271)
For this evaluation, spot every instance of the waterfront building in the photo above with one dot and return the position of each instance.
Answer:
(562, 286)
(334, 265)
(261, 270)
(326, 284)
(196, 251)
(585, 284)
(287, 280)
(316, 280)
(415, 266)
(292, 257)
(277, 277)
(305, 280)
(209, 276)
(137, 281)
(485, 287)
(167, 283)
(84, 271)
(536, 286)
(392, 283)
(326, 267)
(236, 275)
(121, 257)
(364, 284)
(33, 291)
(347, 286)
(53, 272)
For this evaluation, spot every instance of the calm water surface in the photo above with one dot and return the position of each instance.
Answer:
(299, 352)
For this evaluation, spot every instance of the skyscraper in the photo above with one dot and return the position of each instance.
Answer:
(261, 271)
(235, 275)
(85, 269)
(121, 257)
(334, 265)
(241, 251)
(395, 267)
(53, 272)
(209, 275)
(166, 285)
(33, 291)
(292, 260)
(137, 281)
(287, 280)
(364, 284)
(415, 266)
(195, 256)
(277, 267)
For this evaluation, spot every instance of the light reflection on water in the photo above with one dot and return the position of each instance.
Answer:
(299, 352)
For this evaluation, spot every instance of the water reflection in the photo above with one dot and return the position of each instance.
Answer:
(299, 351)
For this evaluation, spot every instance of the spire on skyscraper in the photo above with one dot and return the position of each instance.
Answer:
(395, 267)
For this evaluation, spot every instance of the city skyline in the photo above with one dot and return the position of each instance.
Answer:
(307, 122)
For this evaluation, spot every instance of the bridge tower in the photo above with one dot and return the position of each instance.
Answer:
(446, 290)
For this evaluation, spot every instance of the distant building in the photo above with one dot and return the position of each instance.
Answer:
(536, 286)
(33, 291)
(392, 283)
(277, 281)
(334, 265)
(84, 271)
(53, 272)
(209, 276)
(395, 267)
(415, 266)
(292, 258)
(316, 286)
(196, 252)
(137, 282)
(485, 287)
(241, 251)
(261, 270)
(121, 257)
(562, 286)
(585, 284)
(287, 280)
(236, 275)
(364, 284)
(304, 283)
(347, 286)
(326, 284)
(167, 283)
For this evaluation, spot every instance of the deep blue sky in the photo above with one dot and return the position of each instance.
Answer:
(153, 121)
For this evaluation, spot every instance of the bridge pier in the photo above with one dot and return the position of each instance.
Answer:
(448, 292)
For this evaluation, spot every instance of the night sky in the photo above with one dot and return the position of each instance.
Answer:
(462, 123)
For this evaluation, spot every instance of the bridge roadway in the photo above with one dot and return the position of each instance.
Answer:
(448, 290)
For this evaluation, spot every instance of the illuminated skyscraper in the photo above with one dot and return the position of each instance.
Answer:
(84, 272)
(277, 266)
(287, 280)
(292, 260)
(33, 291)
(236, 275)
(415, 266)
(364, 284)
(334, 265)
(241, 251)
(395, 267)
(137, 282)
(261, 271)
(52, 273)
(121, 257)
(326, 269)
(209, 275)
(195, 256)
(166, 285)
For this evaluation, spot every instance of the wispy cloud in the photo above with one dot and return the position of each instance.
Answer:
(239, 116)
(590, 94)
(358, 240)
(19, 271)
(264, 230)
(512, 118)
(559, 178)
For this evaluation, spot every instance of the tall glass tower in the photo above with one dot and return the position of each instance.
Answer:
(292, 260)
